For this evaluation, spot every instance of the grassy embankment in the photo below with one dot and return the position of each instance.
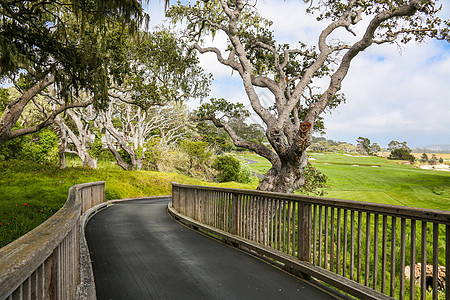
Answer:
(30, 193)
(376, 179)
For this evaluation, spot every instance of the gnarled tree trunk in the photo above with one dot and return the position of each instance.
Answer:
(285, 177)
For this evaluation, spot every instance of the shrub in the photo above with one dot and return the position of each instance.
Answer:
(198, 154)
(245, 173)
(403, 154)
(228, 168)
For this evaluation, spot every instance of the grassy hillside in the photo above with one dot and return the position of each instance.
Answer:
(376, 179)
(30, 193)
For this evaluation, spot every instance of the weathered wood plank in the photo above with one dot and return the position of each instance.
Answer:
(402, 258)
(393, 248)
(423, 290)
(359, 256)
(367, 256)
(435, 259)
(332, 241)
(412, 263)
(352, 245)
(375, 252)
(384, 255)
(344, 258)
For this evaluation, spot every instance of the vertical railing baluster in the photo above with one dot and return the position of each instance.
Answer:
(315, 236)
(272, 223)
(375, 252)
(319, 259)
(447, 261)
(257, 220)
(384, 256)
(248, 218)
(393, 260)
(289, 227)
(280, 224)
(266, 222)
(254, 233)
(367, 258)
(332, 240)
(344, 257)
(352, 244)
(359, 258)
(402, 258)
(284, 227)
(423, 249)
(325, 250)
(435, 259)
(338, 242)
(412, 262)
(294, 226)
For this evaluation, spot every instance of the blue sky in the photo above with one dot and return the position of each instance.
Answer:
(392, 93)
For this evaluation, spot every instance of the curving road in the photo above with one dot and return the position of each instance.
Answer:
(139, 252)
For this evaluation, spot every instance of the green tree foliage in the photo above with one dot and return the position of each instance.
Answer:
(231, 169)
(315, 181)
(433, 160)
(40, 147)
(402, 154)
(214, 136)
(64, 45)
(198, 153)
(159, 70)
(397, 145)
(228, 168)
(423, 158)
(364, 145)
(45, 147)
(14, 149)
(64, 39)
(400, 151)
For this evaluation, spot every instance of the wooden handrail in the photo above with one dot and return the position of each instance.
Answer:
(45, 262)
(361, 248)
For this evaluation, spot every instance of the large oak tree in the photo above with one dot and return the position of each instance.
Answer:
(290, 74)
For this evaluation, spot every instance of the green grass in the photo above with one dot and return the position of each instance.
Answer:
(30, 193)
(261, 167)
(376, 179)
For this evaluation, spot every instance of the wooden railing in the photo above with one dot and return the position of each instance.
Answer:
(360, 248)
(45, 263)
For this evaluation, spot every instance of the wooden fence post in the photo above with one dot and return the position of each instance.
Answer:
(304, 233)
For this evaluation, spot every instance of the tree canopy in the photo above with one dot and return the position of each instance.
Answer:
(290, 74)
(63, 44)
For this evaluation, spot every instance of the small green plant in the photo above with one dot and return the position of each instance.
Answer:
(315, 181)
(245, 173)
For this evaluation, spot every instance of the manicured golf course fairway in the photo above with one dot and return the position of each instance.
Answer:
(376, 179)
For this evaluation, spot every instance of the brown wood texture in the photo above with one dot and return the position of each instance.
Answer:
(44, 263)
(317, 231)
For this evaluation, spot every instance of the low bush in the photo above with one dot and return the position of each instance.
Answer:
(231, 169)
(228, 168)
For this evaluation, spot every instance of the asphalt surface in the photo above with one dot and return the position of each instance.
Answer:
(139, 252)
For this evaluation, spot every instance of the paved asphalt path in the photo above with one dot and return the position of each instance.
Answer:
(139, 252)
